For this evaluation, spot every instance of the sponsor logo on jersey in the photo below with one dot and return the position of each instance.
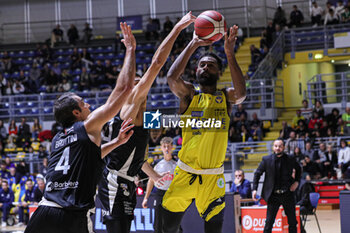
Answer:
(50, 186)
(221, 183)
(218, 99)
(151, 120)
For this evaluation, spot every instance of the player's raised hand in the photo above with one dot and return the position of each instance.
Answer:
(201, 42)
(125, 132)
(230, 39)
(186, 20)
(129, 39)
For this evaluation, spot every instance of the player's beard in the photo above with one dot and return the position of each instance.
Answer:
(207, 79)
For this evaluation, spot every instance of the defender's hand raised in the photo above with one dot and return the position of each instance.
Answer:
(125, 132)
(186, 20)
(129, 39)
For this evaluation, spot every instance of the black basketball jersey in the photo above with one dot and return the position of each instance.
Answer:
(128, 158)
(74, 169)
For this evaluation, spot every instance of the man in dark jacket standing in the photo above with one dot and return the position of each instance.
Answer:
(279, 185)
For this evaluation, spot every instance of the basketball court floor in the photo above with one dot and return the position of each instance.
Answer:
(329, 221)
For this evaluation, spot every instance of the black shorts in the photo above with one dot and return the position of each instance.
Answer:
(118, 197)
(57, 220)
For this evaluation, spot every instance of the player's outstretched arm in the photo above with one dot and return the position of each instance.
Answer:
(149, 188)
(160, 57)
(184, 90)
(124, 135)
(237, 94)
(122, 89)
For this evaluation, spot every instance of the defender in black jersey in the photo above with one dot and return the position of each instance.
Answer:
(117, 188)
(76, 162)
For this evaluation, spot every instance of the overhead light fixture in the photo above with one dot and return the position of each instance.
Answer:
(332, 61)
(348, 64)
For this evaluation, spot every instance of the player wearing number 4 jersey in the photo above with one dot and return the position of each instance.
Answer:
(75, 165)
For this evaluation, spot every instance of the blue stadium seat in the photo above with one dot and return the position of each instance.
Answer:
(30, 53)
(98, 50)
(169, 104)
(91, 101)
(168, 96)
(11, 54)
(31, 104)
(77, 71)
(155, 104)
(27, 67)
(120, 55)
(48, 103)
(48, 110)
(6, 75)
(42, 89)
(20, 54)
(35, 111)
(155, 97)
(109, 49)
(110, 56)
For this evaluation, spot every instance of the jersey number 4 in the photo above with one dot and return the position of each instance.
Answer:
(63, 163)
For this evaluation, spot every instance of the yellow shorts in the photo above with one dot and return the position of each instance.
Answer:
(207, 190)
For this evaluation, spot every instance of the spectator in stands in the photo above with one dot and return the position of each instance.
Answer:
(241, 185)
(36, 128)
(51, 81)
(303, 197)
(39, 190)
(73, 34)
(298, 155)
(331, 163)
(27, 200)
(24, 134)
(340, 127)
(285, 131)
(280, 17)
(339, 10)
(7, 65)
(64, 86)
(84, 80)
(23, 168)
(329, 6)
(161, 82)
(167, 26)
(155, 137)
(151, 29)
(242, 121)
(345, 16)
(316, 14)
(240, 111)
(270, 29)
(85, 56)
(315, 120)
(87, 33)
(346, 119)
(8, 88)
(56, 69)
(75, 59)
(263, 40)
(177, 140)
(246, 135)
(98, 74)
(12, 133)
(42, 153)
(234, 134)
(277, 32)
(322, 158)
(4, 173)
(3, 133)
(6, 199)
(297, 118)
(344, 157)
(239, 37)
(256, 56)
(333, 118)
(256, 126)
(14, 175)
(18, 87)
(112, 76)
(43, 167)
(3, 84)
(309, 151)
(310, 168)
(9, 163)
(301, 129)
(57, 35)
(296, 17)
(291, 143)
(331, 18)
(117, 44)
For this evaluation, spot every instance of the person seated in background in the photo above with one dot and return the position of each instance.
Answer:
(310, 168)
(296, 119)
(237, 115)
(15, 176)
(298, 155)
(344, 157)
(301, 129)
(43, 167)
(292, 143)
(331, 163)
(58, 33)
(296, 17)
(241, 185)
(345, 16)
(302, 197)
(332, 119)
(4, 173)
(316, 14)
(285, 131)
(256, 127)
(39, 190)
(346, 121)
(24, 134)
(28, 199)
(340, 8)
(331, 18)
(6, 199)
(315, 120)
(280, 17)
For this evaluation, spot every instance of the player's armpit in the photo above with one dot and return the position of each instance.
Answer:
(233, 96)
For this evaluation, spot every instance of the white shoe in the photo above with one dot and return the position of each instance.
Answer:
(3, 224)
(19, 224)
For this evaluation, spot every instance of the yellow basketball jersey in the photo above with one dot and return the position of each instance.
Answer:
(205, 133)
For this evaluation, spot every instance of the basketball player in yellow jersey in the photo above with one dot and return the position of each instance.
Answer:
(199, 174)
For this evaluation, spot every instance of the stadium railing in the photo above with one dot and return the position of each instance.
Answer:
(329, 88)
